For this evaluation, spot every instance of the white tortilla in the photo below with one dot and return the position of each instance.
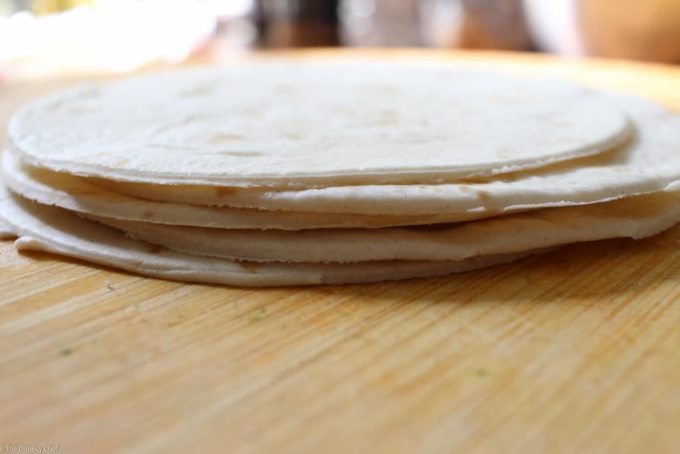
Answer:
(649, 163)
(635, 217)
(80, 195)
(55, 230)
(315, 123)
(5, 230)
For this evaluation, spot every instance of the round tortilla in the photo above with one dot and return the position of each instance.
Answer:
(649, 162)
(633, 217)
(39, 227)
(80, 195)
(320, 123)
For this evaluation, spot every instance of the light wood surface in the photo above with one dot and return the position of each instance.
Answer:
(575, 351)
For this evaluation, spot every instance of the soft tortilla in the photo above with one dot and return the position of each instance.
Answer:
(649, 163)
(80, 195)
(320, 123)
(55, 230)
(635, 217)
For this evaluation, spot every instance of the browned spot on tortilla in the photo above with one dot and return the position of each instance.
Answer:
(121, 162)
(484, 196)
(225, 137)
(154, 248)
(242, 153)
(221, 191)
(293, 136)
(148, 214)
(475, 180)
(251, 267)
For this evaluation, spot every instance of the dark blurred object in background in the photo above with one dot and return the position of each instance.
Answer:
(475, 24)
(381, 23)
(299, 23)
(493, 24)
(471, 24)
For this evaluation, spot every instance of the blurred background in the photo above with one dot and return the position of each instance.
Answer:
(40, 38)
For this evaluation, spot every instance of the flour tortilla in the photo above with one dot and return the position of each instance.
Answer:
(635, 217)
(318, 123)
(50, 229)
(77, 194)
(649, 163)
(5, 230)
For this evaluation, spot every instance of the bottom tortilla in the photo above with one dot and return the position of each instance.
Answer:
(50, 229)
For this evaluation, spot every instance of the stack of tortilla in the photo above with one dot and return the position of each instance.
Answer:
(286, 173)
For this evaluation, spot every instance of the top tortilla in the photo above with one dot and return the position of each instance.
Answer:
(314, 124)
(648, 163)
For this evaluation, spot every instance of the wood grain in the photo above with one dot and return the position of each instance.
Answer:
(575, 351)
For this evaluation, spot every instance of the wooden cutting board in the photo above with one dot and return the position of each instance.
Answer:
(575, 351)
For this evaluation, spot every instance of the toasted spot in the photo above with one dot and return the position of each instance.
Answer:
(221, 191)
(223, 137)
(154, 248)
(476, 180)
(251, 267)
(483, 195)
(148, 214)
(243, 153)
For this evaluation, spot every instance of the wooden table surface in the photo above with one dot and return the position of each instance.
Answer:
(575, 351)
